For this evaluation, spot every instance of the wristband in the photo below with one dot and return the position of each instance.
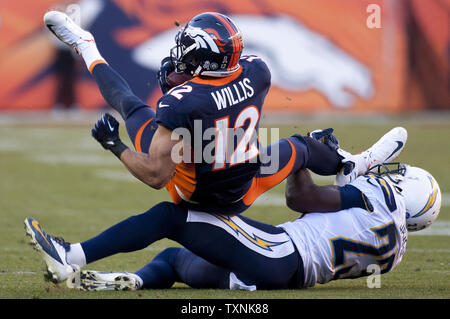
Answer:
(118, 148)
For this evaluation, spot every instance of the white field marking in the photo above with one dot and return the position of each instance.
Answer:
(323, 179)
(440, 271)
(439, 227)
(15, 249)
(445, 199)
(10, 145)
(269, 199)
(423, 250)
(89, 117)
(46, 138)
(160, 248)
(77, 159)
(115, 175)
(22, 272)
(273, 199)
(22, 249)
(330, 180)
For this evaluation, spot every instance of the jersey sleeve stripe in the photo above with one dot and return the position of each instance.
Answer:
(137, 140)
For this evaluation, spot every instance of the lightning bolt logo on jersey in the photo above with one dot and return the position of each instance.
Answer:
(221, 117)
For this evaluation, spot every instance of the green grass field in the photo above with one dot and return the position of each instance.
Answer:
(62, 177)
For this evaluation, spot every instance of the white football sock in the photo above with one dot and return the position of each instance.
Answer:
(139, 280)
(76, 255)
(91, 55)
(361, 163)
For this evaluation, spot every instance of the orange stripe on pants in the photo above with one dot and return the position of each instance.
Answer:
(263, 184)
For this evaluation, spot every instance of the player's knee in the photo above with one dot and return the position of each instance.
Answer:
(169, 215)
(164, 276)
(169, 254)
(301, 150)
(163, 211)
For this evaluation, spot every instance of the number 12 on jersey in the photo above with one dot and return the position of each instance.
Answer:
(246, 148)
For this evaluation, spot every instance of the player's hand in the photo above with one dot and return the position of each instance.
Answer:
(326, 137)
(106, 132)
(166, 68)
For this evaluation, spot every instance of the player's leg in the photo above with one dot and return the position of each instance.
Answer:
(115, 89)
(262, 247)
(302, 194)
(176, 264)
(288, 155)
(137, 115)
(322, 160)
(131, 234)
(253, 252)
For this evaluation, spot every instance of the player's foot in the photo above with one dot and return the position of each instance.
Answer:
(66, 30)
(386, 149)
(53, 251)
(98, 280)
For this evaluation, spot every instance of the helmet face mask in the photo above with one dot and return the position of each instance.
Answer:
(209, 45)
(394, 171)
(420, 191)
(179, 56)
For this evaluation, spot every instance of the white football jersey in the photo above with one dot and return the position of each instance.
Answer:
(343, 244)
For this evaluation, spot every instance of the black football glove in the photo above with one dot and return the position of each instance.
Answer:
(326, 137)
(106, 132)
(166, 68)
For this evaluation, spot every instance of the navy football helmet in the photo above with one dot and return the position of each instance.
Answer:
(209, 45)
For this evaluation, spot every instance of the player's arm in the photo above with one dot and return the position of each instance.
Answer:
(303, 195)
(155, 168)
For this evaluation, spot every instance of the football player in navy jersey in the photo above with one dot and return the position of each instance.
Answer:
(221, 98)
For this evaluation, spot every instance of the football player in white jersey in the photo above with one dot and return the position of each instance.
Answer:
(235, 252)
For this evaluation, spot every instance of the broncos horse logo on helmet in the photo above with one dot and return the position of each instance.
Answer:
(202, 39)
(209, 45)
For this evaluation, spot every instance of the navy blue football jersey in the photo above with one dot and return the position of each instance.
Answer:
(219, 118)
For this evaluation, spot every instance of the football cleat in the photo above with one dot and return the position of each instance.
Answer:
(52, 249)
(386, 149)
(91, 280)
(66, 30)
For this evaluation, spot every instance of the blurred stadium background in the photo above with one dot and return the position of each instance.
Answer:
(329, 68)
(322, 54)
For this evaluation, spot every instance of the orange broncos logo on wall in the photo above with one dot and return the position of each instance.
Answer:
(321, 53)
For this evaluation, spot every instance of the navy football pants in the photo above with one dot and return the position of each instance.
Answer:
(215, 245)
